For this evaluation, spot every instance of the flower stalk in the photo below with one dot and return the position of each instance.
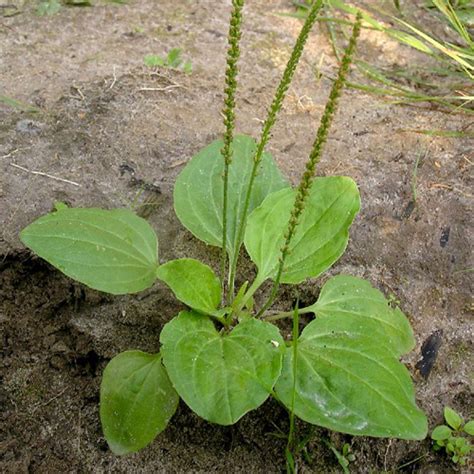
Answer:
(233, 54)
(268, 124)
(307, 179)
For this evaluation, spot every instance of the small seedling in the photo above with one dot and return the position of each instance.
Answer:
(48, 7)
(452, 437)
(224, 356)
(344, 457)
(173, 61)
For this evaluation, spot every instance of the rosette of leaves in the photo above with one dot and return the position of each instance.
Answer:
(223, 360)
(219, 360)
(452, 437)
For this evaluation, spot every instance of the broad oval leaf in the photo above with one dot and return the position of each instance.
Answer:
(193, 283)
(320, 238)
(441, 433)
(469, 428)
(453, 418)
(137, 401)
(221, 376)
(349, 382)
(109, 250)
(355, 306)
(198, 192)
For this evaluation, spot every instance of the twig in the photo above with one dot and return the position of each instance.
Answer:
(11, 153)
(114, 80)
(160, 89)
(46, 175)
(40, 405)
(79, 92)
(177, 163)
(399, 468)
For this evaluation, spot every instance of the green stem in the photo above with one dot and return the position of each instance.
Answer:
(308, 176)
(270, 121)
(295, 333)
(288, 314)
(256, 284)
(233, 54)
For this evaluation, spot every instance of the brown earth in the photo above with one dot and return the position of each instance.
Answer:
(112, 128)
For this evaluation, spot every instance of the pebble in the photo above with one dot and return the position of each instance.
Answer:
(58, 362)
(60, 347)
(28, 126)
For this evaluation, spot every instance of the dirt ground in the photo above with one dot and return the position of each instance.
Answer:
(109, 127)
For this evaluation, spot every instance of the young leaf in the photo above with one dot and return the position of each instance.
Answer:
(469, 428)
(321, 236)
(198, 192)
(174, 57)
(350, 382)
(193, 283)
(188, 67)
(452, 418)
(152, 60)
(221, 376)
(113, 251)
(137, 401)
(48, 7)
(354, 304)
(441, 433)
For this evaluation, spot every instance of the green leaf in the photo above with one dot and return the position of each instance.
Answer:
(78, 3)
(193, 283)
(137, 401)
(441, 433)
(188, 67)
(48, 7)
(452, 418)
(465, 448)
(221, 376)
(354, 305)
(152, 60)
(321, 236)
(198, 192)
(350, 382)
(113, 251)
(11, 102)
(174, 57)
(469, 428)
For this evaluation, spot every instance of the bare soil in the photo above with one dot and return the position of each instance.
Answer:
(112, 128)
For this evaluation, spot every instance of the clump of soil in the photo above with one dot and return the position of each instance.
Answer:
(110, 132)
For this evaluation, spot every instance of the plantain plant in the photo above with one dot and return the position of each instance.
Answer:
(224, 356)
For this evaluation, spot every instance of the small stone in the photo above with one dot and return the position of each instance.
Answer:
(28, 126)
(49, 329)
(57, 362)
(60, 347)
